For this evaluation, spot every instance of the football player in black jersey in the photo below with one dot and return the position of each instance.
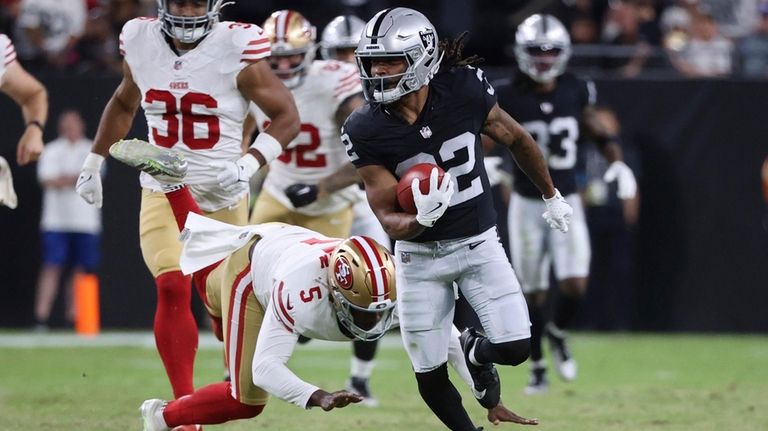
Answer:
(555, 107)
(426, 104)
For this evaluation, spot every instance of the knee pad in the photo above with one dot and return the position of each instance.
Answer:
(513, 352)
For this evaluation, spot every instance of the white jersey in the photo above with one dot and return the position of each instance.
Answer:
(317, 151)
(8, 53)
(191, 102)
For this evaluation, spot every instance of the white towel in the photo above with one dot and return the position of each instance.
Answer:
(207, 241)
(7, 194)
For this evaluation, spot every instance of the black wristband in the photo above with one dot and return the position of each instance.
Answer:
(38, 124)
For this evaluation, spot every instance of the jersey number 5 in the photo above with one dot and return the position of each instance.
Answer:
(455, 148)
(188, 119)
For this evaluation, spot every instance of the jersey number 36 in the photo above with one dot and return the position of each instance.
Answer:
(186, 120)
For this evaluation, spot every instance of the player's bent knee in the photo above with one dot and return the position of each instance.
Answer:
(513, 352)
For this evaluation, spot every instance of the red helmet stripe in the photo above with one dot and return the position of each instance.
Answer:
(383, 268)
(369, 253)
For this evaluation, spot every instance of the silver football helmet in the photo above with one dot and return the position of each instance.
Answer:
(343, 32)
(189, 29)
(398, 32)
(542, 47)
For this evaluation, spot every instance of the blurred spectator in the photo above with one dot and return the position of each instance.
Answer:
(707, 53)
(9, 11)
(753, 49)
(629, 25)
(70, 227)
(675, 26)
(98, 48)
(48, 30)
(735, 18)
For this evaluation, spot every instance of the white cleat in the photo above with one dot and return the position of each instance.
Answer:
(165, 165)
(537, 382)
(360, 387)
(152, 415)
(564, 363)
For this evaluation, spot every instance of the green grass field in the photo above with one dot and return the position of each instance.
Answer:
(626, 382)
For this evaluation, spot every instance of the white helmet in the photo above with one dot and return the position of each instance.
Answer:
(189, 29)
(343, 32)
(398, 32)
(537, 39)
(361, 274)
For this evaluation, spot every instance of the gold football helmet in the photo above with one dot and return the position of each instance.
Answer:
(361, 275)
(292, 40)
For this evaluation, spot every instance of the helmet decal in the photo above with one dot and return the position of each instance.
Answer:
(343, 273)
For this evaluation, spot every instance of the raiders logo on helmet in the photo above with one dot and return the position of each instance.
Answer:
(428, 40)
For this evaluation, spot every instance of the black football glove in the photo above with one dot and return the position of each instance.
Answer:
(301, 194)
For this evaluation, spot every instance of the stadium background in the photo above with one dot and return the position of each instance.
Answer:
(698, 252)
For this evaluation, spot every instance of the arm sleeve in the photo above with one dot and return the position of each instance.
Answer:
(273, 349)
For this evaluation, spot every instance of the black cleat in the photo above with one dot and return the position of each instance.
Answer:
(487, 386)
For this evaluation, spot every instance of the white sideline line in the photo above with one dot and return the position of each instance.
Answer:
(32, 340)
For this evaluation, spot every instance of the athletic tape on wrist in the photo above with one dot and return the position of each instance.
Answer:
(93, 162)
(268, 146)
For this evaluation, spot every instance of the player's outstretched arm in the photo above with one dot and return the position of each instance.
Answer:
(32, 97)
(380, 188)
(259, 84)
(501, 414)
(117, 118)
(603, 127)
(115, 123)
(336, 400)
(504, 129)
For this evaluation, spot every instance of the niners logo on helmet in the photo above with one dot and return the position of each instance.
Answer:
(189, 29)
(290, 35)
(361, 275)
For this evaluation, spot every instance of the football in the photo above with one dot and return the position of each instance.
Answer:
(404, 192)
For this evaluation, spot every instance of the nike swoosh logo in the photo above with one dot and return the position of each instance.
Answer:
(475, 244)
(288, 303)
(439, 205)
(478, 394)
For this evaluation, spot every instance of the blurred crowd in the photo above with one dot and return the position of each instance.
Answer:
(691, 38)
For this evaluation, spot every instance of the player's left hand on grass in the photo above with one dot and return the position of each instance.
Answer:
(501, 414)
(233, 177)
(625, 179)
(301, 195)
(558, 213)
(329, 401)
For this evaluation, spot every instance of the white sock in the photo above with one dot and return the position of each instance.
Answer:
(361, 369)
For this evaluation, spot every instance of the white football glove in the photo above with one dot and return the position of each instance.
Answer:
(558, 213)
(89, 181)
(625, 180)
(431, 206)
(233, 177)
(493, 169)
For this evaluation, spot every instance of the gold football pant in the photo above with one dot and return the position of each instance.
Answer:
(268, 209)
(159, 234)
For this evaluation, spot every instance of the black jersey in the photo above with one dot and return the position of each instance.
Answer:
(554, 121)
(446, 133)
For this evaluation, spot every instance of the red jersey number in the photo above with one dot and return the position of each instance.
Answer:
(304, 153)
(188, 119)
(311, 294)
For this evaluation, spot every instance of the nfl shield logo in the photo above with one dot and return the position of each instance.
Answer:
(177, 64)
(405, 257)
(426, 132)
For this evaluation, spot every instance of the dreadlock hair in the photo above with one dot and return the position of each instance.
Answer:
(452, 53)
